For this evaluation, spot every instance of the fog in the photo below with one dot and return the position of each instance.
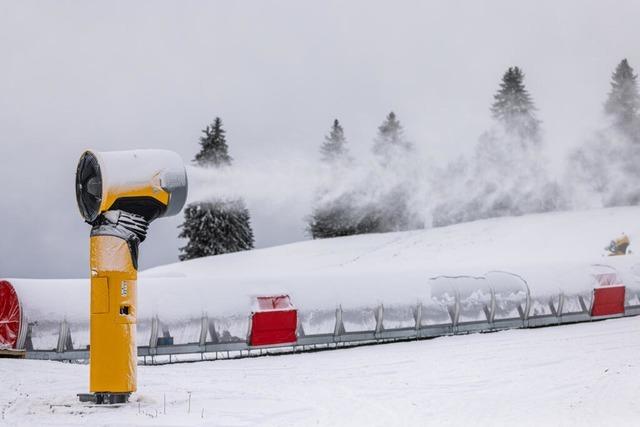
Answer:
(116, 76)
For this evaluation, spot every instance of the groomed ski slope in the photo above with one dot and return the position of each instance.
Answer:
(581, 374)
(553, 252)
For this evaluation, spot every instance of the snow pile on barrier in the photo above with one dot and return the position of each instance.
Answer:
(544, 254)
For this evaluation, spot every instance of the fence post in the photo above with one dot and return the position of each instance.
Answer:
(339, 327)
(552, 307)
(454, 311)
(22, 334)
(153, 339)
(63, 337)
(204, 329)
(583, 305)
(213, 333)
(379, 315)
(490, 311)
(417, 316)
(299, 330)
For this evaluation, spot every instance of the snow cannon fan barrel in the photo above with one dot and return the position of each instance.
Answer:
(147, 183)
(119, 193)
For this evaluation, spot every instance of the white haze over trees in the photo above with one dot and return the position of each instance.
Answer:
(605, 171)
(370, 195)
(394, 187)
(507, 174)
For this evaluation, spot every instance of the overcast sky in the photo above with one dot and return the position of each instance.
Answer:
(123, 75)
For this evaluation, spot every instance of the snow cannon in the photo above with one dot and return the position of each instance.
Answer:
(619, 246)
(119, 193)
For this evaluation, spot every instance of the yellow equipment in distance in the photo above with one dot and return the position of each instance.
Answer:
(119, 193)
(619, 246)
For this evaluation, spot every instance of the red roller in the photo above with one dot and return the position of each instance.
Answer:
(9, 315)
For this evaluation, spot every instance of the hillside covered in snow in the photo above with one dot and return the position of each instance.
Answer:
(550, 251)
(553, 253)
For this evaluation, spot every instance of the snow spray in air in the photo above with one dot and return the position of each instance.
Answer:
(293, 187)
(403, 185)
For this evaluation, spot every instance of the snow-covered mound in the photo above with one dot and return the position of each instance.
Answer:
(468, 248)
(550, 254)
(550, 251)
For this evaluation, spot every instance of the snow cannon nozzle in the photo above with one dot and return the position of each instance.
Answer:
(147, 183)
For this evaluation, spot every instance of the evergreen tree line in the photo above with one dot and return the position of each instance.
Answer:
(507, 173)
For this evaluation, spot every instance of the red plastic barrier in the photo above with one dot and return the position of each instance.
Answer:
(608, 301)
(274, 322)
(9, 315)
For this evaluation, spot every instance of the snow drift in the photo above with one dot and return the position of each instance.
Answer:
(545, 254)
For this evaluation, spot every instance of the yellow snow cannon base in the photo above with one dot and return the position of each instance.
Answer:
(113, 353)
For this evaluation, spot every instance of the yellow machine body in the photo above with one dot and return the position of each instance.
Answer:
(146, 189)
(119, 193)
(113, 355)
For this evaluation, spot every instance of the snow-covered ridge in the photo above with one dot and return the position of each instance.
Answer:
(552, 252)
(530, 245)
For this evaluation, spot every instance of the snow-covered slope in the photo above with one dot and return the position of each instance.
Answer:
(470, 248)
(583, 374)
(553, 252)
(550, 251)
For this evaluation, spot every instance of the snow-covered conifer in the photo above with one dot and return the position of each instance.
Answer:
(333, 215)
(390, 211)
(623, 102)
(513, 106)
(215, 226)
(604, 170)
(507, 174)
(334, 147)
(214, 151)
(390, 139)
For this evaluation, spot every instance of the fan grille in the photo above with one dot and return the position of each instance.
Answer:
(89, 186)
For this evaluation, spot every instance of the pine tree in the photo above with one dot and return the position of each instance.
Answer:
(214, 151)
(391, 212)
(334, 147)
(333, 218)
(606, 164)
(390, 139)
(345, 217)
(513, 106)
(507, 174)
(216, 226)
(623, 102)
